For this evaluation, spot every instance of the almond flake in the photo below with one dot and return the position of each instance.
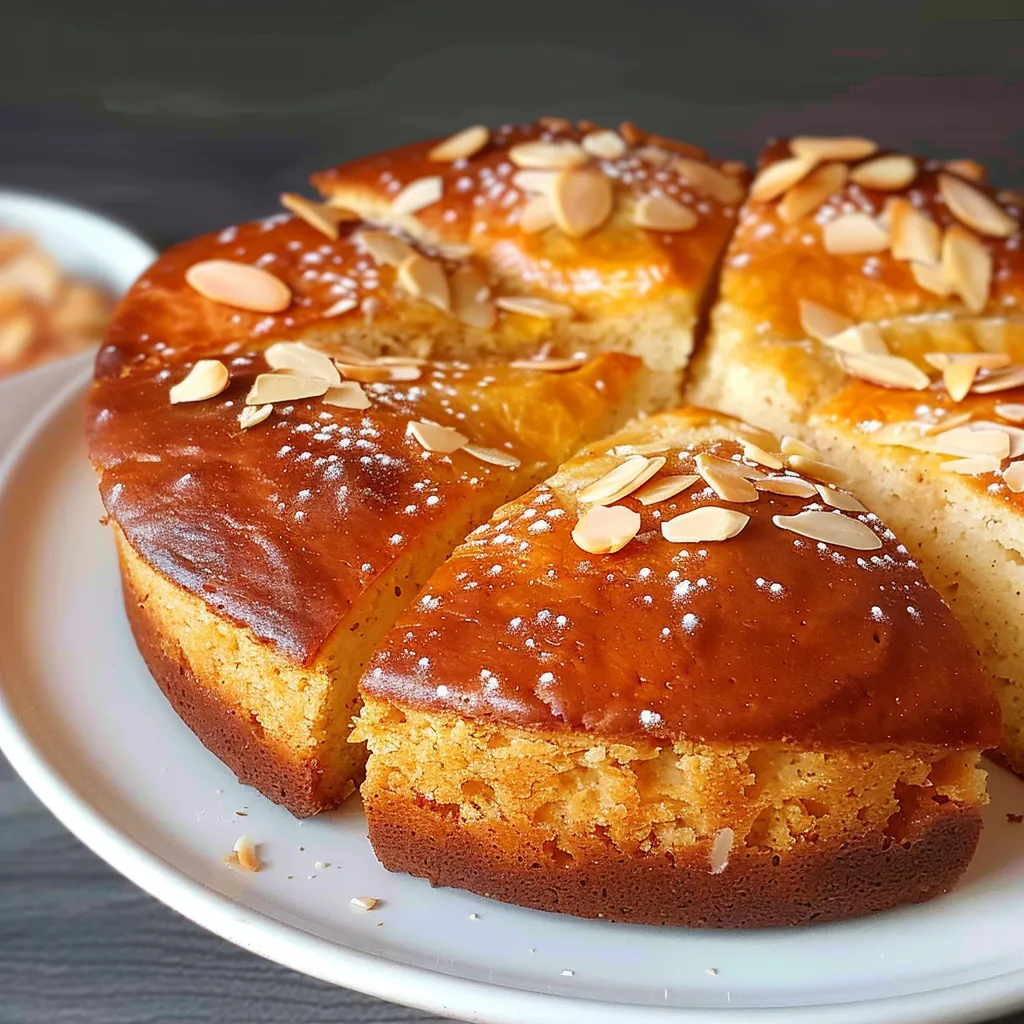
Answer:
(851, 234)
(605, 145)
(780, 177)
(710, 180)
(348, 394)
(339, 307)
(603, 529)
(495, 456)
(972, 466)
(974, 208)
(653, 155)
(581, 201)
(791, 486)
(651, 448)
(435, 438)
(402, 360)
(425, 279)
(364, 373)
(527, 305)
(1015, 434)
(915, 236)
(240, 285)
(820, 148)
(317, 215)
(623, 477)
(839, 499)
(418, 195)
(551, 366)
(999, 380)
(757, 454)
(794, 446)
(271, 388)
(536, 216)
(538, 183)
(831, 528)
(302, 360)
(471, 298)
(724, 478)
(663, 488)
(252, 415)
(960, 368)
(747, 433)
(859, 338)
(386, 248)
(541, 155)
(207, 379)
(969, 169)
(967, 442)
(1013, 477)
(1012, 411)
(815, 467)
(807, 195)
(707, 523)
(460, 146)
(662, 213)
(885, 173)
(245, 851)
(931, 279)
(967, 264)
(885, 371)
(363, 904)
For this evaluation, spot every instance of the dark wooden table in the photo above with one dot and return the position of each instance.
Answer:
(179, 118)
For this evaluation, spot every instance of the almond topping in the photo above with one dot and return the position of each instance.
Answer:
(324, 218)
(603, 529)
(418, 195)
(724, 478)
(999, 380)
(960, 368)
(252, 415)
(495, 456)
(915, 236)
(707, 523)
(435, 438)
(972, 466)
(779, 177)
(302, 360)
(859, 338)
(931, 279)
(747, 433)
(364, 373)
(1015, 434)
(969, 169)
(885, 371)
(1013, 477)
(581, 201)
(245, 851)
(537, 183)
(663, 488)
(460, 146)
(794, 446)
(819, 148)
(541, 155)
(974, 208)
(967, 442)
(1012, 411)
(527, 305)
(536, 216)
(348, 394)
(631, 133)
(831, 528)
(618, 481)
(425, 279)
(710, 180)
(271, 388)
(386, 248)
(240, 285)
(851, 234)
(967, 264)
(471, 298)
(839, 499)
(339, 307)
(605, 145)
(885, 173)
(551, 366)
(653, 155)
(807, 195)
(757, 454)
(662, 213)
(815, 467)
(792, 486)
(207, 379)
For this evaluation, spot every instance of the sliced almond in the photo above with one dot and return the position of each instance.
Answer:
(662, 213)
(969, 169)
(972, 466)
(747, 433)
(402, 360)
(959, 369)
(303, 360)
(207, 379)
(460, 146)
(435, 438)
(348, 394)
(1013, 477)
(538, 183)
(839, 499)
(967, 442)
(1015, 434)
(820, 148)
(885, 371)
(653, 155)
(619, 481)
(931, 279)
(605, 145)
(999, 380)
(757, 454)
(707, 523)
(724, 478)
(425, 279)
(1012, 411)
(404, 371)
(418, 195)
(540, 155)
(240, 285)
(831, 528)
(859, 338)
(664, 487)
(794, 446)
(705, 178)
(253, 415)
(791, 486)
(386, 248)
(808, 194)
(967, 265)
(527, 305)
(471, 298)
(653, 467)
(581, 201)
(603, 529)
(363, 904)
(495, 456)
(245, 852)
(885, 173)
(780, 177)
(974, 208)
(271, 388)
(550, 366)
(555, 124)
(915, 236)
(852, 234)
(815, 467)
(345, 305)
(316, 215)
(363, 372)
(537, 215)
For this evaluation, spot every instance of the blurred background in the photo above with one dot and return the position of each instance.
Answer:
(180, 118)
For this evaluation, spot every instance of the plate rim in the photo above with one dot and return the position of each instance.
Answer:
(417, 986)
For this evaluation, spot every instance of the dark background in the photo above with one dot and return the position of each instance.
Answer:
(182, 117)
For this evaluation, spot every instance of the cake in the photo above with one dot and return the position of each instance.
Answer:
(685, 681)
(870, 301)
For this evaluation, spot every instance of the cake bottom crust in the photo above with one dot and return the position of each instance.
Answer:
(757, 889)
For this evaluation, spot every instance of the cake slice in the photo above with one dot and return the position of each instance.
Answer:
(872, 301)
(688, 680)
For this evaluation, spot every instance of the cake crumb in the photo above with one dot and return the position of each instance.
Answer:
(712, 971)
(1015, 819)
(363, 903)
(244, 854)
(567, 973)
(321, 864)
(242, 814)
(473, 917)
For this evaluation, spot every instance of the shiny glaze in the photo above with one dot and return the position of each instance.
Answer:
(612, 269)
(764, 638)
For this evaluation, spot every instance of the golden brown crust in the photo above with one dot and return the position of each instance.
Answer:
(757, 889)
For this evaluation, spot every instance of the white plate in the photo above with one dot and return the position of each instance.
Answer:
(86, 727)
